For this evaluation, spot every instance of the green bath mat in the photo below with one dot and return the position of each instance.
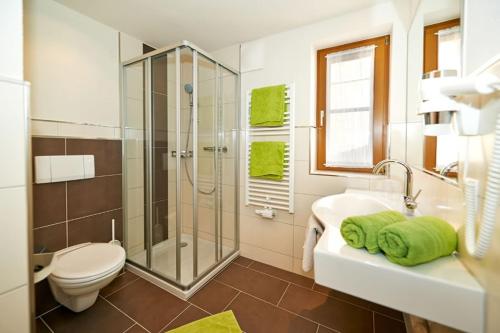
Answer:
(224, 322)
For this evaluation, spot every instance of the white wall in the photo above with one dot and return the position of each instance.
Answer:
(481, 27)
(290, 57)
(14, 281)
(73, 62)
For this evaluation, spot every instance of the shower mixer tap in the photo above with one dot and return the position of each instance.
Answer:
(189, 153)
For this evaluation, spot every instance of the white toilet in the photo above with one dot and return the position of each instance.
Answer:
(82, 270)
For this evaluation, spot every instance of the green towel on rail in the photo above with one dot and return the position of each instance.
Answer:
(417, 241)
(362, 231)
(224, 322)
(267, 160)
(268, 106)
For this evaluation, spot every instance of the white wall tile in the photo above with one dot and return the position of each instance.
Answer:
(13, 238)
(302, 143)
(12, 135)
(267, 234)
(11, 39)
(14, 311)
(46, 128)
(266, 256)
(84, 88)
(303, 203)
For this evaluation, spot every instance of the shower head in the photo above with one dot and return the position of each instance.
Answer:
(188, 88)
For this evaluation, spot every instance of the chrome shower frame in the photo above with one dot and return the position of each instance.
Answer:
(199, 278)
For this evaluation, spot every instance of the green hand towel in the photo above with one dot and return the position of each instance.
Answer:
(223, 322)
(362, 231)
(268, 106)
(267, 160)
(419, 240)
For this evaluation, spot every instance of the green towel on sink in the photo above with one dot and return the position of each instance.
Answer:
(417, 241)
(268, 106)
(267, 160)
(362, 231)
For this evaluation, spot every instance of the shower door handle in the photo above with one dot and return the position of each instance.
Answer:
(212, 148)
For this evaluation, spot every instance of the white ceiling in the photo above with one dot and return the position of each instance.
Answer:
(210, 24)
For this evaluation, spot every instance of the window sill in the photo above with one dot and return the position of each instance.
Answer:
(359, 175)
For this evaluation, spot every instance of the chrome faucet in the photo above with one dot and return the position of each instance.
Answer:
(409, 198)
(445, 170)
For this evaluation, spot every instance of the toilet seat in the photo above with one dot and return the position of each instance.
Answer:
(88, 263)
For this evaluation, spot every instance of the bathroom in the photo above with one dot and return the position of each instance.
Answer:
(128, 196)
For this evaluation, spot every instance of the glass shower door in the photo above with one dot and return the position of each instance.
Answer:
(134, 140)
(180, 123)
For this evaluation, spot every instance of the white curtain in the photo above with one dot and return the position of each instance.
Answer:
(349, 104)
(449, 42)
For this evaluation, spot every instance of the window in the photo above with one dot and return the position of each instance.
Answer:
(352, 103)
(442, 43)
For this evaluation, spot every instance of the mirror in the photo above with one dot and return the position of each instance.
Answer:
(434, 51)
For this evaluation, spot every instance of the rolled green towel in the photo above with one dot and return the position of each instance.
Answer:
(417, 241)
(362, 231)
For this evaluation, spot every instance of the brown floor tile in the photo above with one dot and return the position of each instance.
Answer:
(323, 329)
(92, 196)
(41, 327)
(51, 238)
(107, 154)
(136, 329)
(359, 301)
(213, 297)
(257, 284)
(255, 316)
(191, 314)
(327, 311)
(385, 324)
(149, 305)
(243, 261)
(282, 274)
(49, 204)
(101, 317)
(95, 228)
(44, 301)
(119, 282)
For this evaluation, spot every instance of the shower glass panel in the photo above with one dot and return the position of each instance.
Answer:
(133, 159)
(180, 120)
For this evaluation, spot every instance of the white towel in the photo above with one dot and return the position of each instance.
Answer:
(313, 232)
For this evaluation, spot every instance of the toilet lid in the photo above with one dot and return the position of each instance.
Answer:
(88, 261)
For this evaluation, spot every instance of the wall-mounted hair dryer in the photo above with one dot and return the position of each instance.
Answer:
(477, 102)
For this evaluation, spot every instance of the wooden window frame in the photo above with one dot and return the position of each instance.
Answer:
(430, 64)
(380, 101)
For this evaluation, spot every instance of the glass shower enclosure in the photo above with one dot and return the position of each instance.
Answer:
(180, 124)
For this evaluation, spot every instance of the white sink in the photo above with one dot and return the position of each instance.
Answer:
(442, 291)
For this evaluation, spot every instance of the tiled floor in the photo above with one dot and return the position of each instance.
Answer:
(262, 297)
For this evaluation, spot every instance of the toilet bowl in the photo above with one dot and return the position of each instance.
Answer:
(82, 270)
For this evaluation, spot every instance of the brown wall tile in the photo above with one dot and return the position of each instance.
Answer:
(52, 238)
(47, 146)
(92, 196)
(160, 180)
(49, 203)
(96, 228)
(160, 221)
(107, 154)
